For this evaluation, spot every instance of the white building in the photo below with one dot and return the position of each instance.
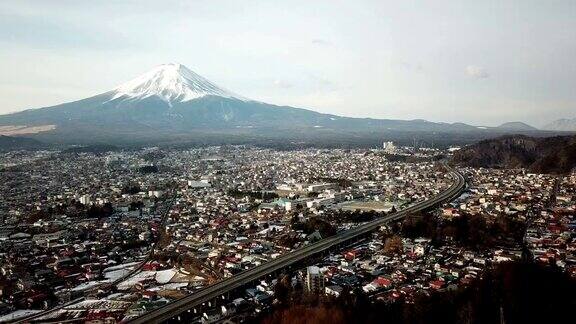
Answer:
(199, 184)
(85, 200)
(314, 280)
(318, 187)
(389, 147)
(155, 193)
(333, 290)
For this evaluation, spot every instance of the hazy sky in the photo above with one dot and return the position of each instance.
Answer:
(480, 62)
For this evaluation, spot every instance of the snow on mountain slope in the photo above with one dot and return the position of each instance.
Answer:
(172, 83)
(564, 124)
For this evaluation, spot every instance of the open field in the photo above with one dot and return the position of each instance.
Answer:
(12, 130)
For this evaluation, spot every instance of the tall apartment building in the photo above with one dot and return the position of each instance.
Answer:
(314, 280)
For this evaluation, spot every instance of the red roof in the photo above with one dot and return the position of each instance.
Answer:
(437, 284)
(382, 282)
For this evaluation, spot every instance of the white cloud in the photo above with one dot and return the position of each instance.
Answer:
(283, 84)
(406, 66)
(477, 72)
(321, 42)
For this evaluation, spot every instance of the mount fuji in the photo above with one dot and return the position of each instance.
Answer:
(171, 83)
(171, 102)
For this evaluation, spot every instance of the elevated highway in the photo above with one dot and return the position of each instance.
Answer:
(221, 288)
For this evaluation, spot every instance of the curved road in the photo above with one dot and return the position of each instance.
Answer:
(220, 288)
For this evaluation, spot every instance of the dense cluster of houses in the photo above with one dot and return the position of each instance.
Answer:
(545, 203)
(419, 268)
(551, 234)
(110, 236)
(67, 222)
(81, 227)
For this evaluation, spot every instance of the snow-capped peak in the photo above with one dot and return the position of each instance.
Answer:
(172, 83)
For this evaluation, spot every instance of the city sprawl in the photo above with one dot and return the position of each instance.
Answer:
(96, 236)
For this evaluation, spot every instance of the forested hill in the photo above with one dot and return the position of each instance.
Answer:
(543, 155)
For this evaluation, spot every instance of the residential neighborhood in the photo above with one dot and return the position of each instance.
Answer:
(109, 236)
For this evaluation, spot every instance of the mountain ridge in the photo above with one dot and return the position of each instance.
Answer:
(516, 126)
(171, 101)
(562, 124)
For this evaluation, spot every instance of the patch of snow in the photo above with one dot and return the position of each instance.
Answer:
(122, 266)
(99, 304)
(116, 295)
(277, 228)
(116, 274)
(164, 276)
(87, 285)
(135, 279)
(170, 286)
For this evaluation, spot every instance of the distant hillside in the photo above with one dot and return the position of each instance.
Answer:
(542, 155)
(563, 124)
(516, 126)
(8, 143)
